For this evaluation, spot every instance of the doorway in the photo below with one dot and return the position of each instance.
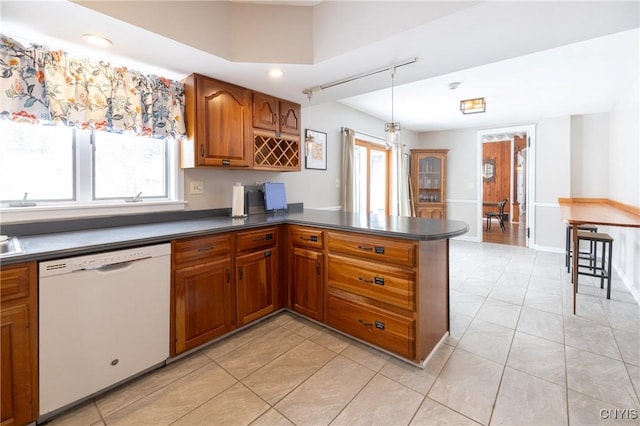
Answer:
(506, 165)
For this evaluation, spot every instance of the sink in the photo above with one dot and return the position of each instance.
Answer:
(9, 246)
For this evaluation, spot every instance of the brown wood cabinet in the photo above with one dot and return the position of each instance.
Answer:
(257, 273)
(202, 293)
(218, 121)
(307, 271)
(278, 115)
(390, 292)
(429, 182)
(19, 344)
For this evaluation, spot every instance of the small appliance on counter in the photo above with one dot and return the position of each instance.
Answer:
(275, 197)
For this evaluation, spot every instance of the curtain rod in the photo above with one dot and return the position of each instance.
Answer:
(309, 92)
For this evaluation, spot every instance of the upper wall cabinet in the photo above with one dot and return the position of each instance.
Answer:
(275, 114)
(231, 126)
(218, 118)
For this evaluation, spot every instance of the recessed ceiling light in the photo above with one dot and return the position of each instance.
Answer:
(275, 73)
(97, 40)
(454, 85)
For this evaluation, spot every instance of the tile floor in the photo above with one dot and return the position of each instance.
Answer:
(516, 355)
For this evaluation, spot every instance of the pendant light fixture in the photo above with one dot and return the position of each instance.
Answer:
(392, 129)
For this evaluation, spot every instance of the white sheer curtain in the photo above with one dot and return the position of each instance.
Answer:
(348, 173)
(402, 179)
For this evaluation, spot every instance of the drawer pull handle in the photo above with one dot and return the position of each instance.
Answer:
(240, 272)
(208, 248)
(228, 275)
(318, 268)
(363, 322)
(312, 238)
(365, 248)
(265, 237)
(364, 280)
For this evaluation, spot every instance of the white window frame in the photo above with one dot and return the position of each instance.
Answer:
(85, 206)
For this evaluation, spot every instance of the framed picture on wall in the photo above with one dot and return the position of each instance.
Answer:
(315, 145)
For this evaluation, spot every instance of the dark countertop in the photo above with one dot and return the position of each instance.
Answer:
(74, 243)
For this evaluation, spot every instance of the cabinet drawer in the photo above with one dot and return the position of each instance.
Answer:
(380, 249)
(302, 236)
(259, 238)
(388, 284)
(192, 249)
(14, 282)
(377, 326)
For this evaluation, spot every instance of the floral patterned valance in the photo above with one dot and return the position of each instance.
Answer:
(38, 84)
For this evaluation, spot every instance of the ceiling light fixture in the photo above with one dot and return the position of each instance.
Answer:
(275, 73)
(97, 40)
(392, 129)
(473, 106)
(454, 85)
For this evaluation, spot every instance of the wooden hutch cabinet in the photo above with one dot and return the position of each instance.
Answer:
(429, 182)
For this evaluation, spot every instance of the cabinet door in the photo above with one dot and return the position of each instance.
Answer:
(203, 303)
(308, 283)
(17, 402)
(430, 212)
(256, 275)
(289, 117)
(265, 112)
(223, 126)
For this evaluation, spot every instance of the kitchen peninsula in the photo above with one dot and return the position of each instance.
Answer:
(382, 280)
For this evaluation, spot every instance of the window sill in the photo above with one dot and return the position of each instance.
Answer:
(39, 213)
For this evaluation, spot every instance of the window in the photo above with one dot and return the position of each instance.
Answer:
(38, 161)
(372, 166)
(125, 166)
(58, 165)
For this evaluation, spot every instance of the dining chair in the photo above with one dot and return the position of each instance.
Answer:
(499, 214)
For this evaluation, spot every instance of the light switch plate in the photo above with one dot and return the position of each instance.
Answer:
(196, 188)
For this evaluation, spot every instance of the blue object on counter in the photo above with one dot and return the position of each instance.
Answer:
(275, 197)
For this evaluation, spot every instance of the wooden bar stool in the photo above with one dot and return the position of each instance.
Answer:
(604, 270)
(583, 254)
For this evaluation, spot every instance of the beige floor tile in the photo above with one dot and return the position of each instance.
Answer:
(599, 377)
(318, 400)
(243, 337)
(589, 336)
(279, 377)
(487, 340)
(622, 316)
(468, 384)
(365, 355)
(331, 340)
(634, 375)
(465, 303)
(272, 418)
(171, 402)
(629, 344)
(149, 383)
(528, 400)
(458, 324)
(584, 410)
(235, 406)
(84, 414)
(263, 349)
(283, 318)
(500, 313)
(538, 357)
(432, 413)
(507, 292)
(543, 301)
(541, 324)
(477, 286)
(418, 379)
(381, 402)
(586, 310)
(303, 327)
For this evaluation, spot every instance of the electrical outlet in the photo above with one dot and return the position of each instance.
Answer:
(196, 188)
(337, 183)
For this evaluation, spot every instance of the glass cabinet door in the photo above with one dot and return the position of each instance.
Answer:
(430, 180)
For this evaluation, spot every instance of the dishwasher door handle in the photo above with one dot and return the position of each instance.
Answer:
(111, 266)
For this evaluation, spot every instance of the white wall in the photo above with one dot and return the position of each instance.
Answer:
(590, 156)
(314, 188)
(624, 183)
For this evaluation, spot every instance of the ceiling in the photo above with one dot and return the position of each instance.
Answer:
(530, 60)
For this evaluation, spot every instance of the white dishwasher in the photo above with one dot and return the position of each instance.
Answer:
(102, 318)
